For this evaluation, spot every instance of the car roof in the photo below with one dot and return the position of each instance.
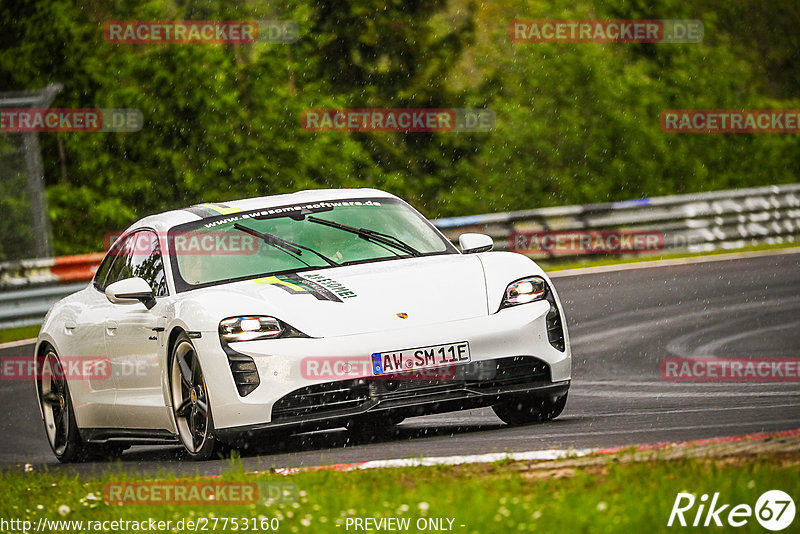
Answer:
(165, 221)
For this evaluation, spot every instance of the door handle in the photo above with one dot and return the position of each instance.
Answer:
(111, 327)
(70, 325)
(161, 324)
(157, 330)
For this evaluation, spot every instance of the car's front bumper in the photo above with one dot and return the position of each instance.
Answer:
(519, 332)
(356, 398)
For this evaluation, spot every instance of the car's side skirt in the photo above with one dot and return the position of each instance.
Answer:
(132, 436)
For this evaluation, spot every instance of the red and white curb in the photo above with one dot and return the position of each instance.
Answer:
(553, 454)
(62, 269)
(709, 441)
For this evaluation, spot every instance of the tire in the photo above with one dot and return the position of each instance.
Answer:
(57, 412)
(189, 399)
(530, 409)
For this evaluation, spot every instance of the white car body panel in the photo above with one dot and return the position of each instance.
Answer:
(448, 298)
(380, 295)
(517, 331)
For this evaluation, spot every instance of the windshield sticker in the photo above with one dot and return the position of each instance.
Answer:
(297, 285)
(288, 211)
(211, 210)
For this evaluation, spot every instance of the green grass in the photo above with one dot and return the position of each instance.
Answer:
(22, 332)
(609, 496)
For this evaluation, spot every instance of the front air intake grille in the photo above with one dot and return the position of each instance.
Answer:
(322, 398)
(486, 377)
(555, 330)
(514, 371)
(243, 369)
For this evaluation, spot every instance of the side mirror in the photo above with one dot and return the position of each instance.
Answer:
(131, 291)
(472, 243)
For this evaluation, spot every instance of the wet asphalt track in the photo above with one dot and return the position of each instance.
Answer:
(621, 323)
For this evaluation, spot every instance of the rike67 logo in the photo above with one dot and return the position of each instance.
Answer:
(774, 510)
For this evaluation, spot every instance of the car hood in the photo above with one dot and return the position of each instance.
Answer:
(369, 297)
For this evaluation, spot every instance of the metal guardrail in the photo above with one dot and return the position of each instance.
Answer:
(689, 223)
(29, 306)
(699, 222)
(28, 288)
(37, 272)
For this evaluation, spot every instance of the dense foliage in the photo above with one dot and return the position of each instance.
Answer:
(575, 122)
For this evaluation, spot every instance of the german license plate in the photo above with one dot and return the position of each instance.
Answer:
(401, 361)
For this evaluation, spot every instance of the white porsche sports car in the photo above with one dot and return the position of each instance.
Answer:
(210, 325)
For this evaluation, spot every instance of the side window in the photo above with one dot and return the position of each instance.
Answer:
(146, 262)
(112, 264)
(120, 267)
(138, 255)
(102, 272)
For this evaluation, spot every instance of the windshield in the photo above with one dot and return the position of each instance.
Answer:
(299, 237)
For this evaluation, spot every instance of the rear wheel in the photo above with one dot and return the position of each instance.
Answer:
(529, 409)
(59, 416)
(190, 402)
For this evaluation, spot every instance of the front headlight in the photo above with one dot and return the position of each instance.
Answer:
(249, 328)
(525, 290)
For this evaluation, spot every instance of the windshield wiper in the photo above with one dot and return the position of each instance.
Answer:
(283, 244)
(370, 235)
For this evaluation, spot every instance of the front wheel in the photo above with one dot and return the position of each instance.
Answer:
(190, 403)
(529, 409)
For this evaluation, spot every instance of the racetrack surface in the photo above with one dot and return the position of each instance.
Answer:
(621, 323)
